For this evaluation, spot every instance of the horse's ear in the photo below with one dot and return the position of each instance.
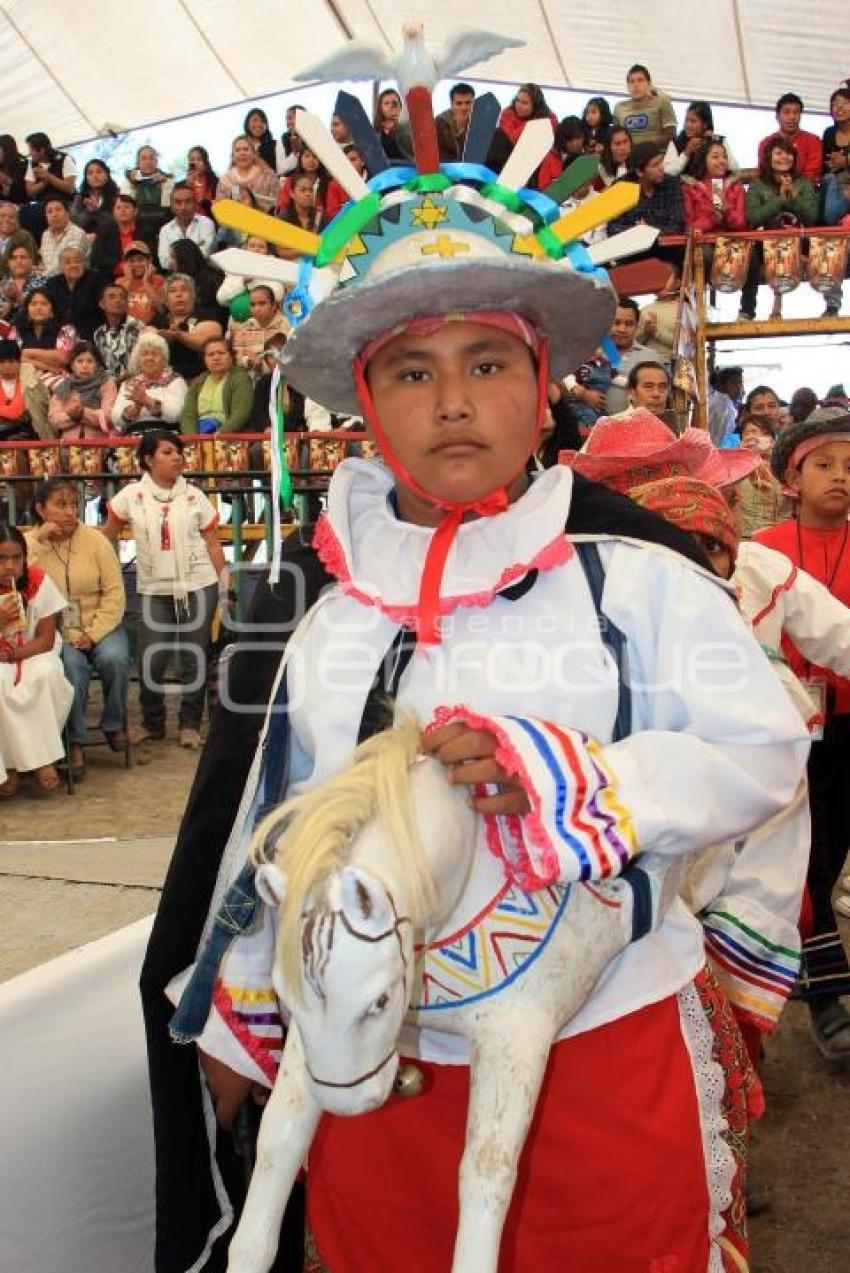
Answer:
(271, 884)
(365, 902)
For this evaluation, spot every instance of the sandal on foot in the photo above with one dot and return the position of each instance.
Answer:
(46, 780)
(117, 739)
(831, 1031)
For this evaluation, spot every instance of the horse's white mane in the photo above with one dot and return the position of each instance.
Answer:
(310, 836)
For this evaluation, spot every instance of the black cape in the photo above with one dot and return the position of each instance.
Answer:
(186, 1205)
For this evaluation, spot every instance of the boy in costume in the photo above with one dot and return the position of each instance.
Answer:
(812, 459)
(456, 580)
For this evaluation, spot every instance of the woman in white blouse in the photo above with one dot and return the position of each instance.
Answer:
(181, 573)
(153, 395)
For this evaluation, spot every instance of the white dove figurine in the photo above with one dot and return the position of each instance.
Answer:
(413, 66)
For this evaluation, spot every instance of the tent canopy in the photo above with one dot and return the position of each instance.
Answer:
(70, 69)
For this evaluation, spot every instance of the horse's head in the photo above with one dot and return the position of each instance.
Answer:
(356, 981)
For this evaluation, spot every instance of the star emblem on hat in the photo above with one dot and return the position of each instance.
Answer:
(428, 213)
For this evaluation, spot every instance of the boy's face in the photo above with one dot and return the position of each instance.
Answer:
(823, 482)
(9, 368)
(638, 85)
(458, 408)
(788, 117)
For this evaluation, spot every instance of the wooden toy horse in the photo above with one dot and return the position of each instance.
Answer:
(377, 875)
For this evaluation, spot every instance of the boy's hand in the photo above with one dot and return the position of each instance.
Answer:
(468, 754)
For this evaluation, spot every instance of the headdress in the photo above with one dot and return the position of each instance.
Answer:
(693, 506)
(433, 240)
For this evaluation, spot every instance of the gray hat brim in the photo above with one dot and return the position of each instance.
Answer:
(570, 309)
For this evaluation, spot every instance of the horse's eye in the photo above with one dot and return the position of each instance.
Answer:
(378, 1006)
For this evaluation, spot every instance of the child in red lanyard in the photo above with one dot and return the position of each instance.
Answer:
(813, 459)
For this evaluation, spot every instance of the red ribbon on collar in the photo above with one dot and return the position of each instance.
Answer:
(428, 605)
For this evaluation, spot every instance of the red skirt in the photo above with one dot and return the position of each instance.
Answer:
(612, 1178)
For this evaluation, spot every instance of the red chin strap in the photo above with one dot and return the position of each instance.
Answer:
(428, 607)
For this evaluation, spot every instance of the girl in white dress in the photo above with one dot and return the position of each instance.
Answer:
(35, 698)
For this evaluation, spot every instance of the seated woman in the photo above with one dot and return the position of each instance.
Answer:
(393, 132)
(249, 171)
(35, 698)
(13, 167)
(698, 131)
(153, 395)
(46, 343)
(185, 328)
(92, 210)
(75, 292)
(596, 119)
(149, 186)
(308, 166)
(616, 157)
(336, 195)
(185, 257)
(302, 210)
(256, 127)
(713, 197)
(202, 179)
(91, 207)
(19, 272)
(222, 399)
(81, 404)
(85, 568)
(529, 103)
(181, 569)
(777, 198)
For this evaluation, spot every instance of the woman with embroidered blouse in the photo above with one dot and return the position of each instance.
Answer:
(154, 394)
(180, 570)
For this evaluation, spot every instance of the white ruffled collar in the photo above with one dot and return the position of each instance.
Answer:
(379, 559)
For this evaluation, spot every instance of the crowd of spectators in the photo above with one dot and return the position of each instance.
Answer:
(113, 319)
(97, 256)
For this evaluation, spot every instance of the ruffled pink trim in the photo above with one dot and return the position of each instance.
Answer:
(332, 556)
(531, 875)
(256, 1047)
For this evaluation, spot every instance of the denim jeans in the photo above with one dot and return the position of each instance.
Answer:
(110, 658)
(835, 204)
(167, 630)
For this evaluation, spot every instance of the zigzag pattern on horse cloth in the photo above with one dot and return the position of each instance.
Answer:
(493, 949)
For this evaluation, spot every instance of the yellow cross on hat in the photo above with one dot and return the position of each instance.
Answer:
(445, 247)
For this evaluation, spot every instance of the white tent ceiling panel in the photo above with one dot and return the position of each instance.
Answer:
(670, 38)
(796, 46)
(264, 42)
(67, 69)
(30, 95)
(128, 62)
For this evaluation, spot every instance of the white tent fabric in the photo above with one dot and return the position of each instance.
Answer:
(69, 69)
(77, 1170)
